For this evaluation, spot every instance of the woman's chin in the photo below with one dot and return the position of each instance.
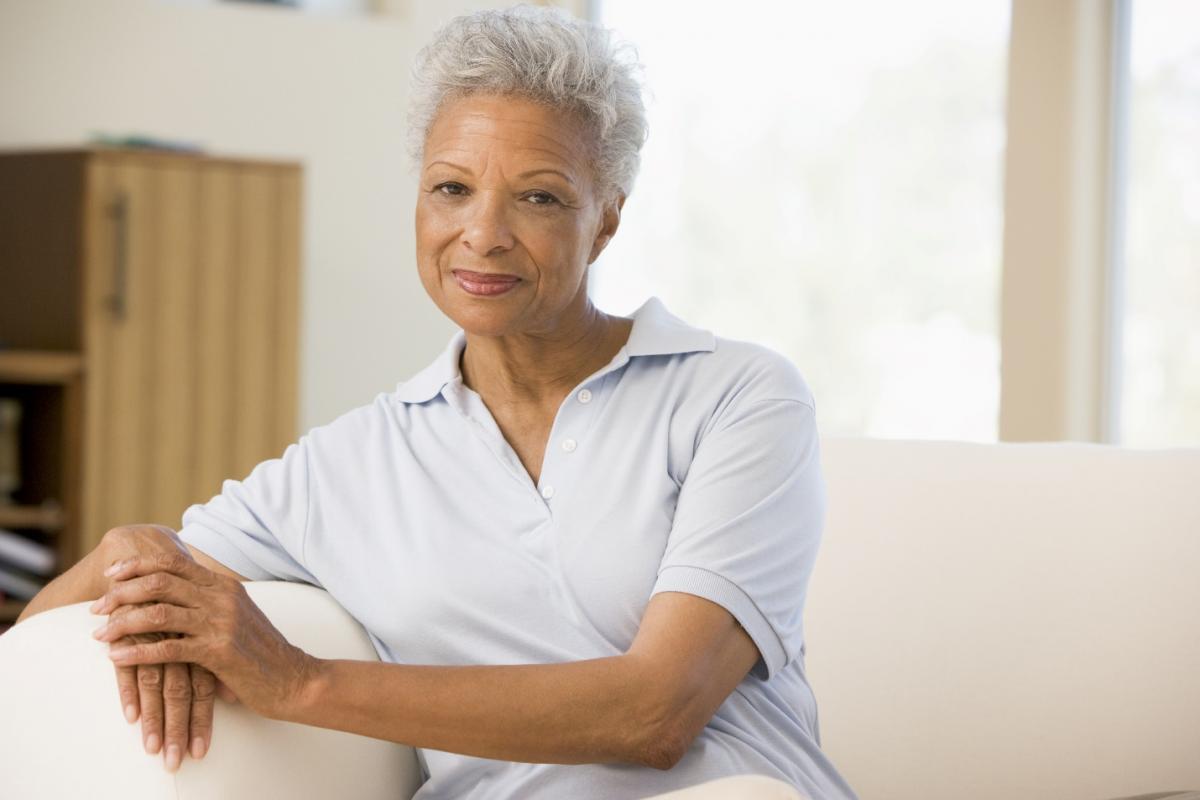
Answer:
(484, 317)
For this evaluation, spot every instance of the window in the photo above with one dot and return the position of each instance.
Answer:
(1160, 402)
(825, 179)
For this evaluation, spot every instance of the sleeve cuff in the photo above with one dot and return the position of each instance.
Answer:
(728, 595)
(213, 544)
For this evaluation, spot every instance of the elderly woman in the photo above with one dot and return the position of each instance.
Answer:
(579, 542)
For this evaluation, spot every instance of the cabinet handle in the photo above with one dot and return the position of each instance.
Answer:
(119, 211)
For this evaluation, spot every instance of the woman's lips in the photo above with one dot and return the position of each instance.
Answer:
(484, 284)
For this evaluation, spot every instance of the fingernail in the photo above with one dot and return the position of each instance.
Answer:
(197, 747)
(97, 604)
(114, 569)
(152, 743)
(173, 757)
(130, 713)
(99, 632)
(118, 653)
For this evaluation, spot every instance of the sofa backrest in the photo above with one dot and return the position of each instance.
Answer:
(62, 733)
(1008, 620)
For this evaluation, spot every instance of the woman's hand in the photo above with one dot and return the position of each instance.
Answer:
(219, 626)
(174, 700)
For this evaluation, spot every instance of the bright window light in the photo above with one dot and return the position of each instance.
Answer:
(825, 179)
(1160, 403)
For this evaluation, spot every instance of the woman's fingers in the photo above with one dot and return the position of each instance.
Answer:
(160, 652)
(149, 679)
(127, 690)
(154, 588)
(148, 618)
(204, 694)
(177, 711)
(176, 563)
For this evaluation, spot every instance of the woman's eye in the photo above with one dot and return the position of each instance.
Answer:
(542, 198)
(457, 187)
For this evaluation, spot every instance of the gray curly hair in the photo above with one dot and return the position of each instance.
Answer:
(546, 55)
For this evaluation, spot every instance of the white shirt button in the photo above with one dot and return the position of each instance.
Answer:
(585, 396)
(569, 445)
(547, 491)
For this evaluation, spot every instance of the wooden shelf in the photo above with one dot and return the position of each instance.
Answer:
(10, 610)
(39, 366)
(48, 517)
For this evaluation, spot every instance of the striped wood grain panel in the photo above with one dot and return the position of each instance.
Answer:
(217, 359)
(255, 312)
(174, 340)
(287, 270)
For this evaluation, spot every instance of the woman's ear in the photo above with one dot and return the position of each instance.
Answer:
(610, 220)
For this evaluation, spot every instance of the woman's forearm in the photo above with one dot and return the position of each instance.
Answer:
(595, 711)
(81, 582)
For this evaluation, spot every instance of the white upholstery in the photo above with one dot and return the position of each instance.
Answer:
(62, 733)
(984, 621)
(1008, 621)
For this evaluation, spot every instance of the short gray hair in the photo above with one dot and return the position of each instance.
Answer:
(546, 55)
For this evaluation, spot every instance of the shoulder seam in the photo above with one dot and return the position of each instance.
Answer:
(720, 424)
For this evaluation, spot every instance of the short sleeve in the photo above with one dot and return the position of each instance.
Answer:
(256, 526)
(748, 523)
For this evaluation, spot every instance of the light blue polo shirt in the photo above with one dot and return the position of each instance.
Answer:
(689, 463)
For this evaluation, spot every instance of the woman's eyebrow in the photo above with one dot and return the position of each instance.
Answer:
(522, 176)
(448, 164)
(533, 172)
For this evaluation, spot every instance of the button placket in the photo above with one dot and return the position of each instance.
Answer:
(568, 418)
(578, 421)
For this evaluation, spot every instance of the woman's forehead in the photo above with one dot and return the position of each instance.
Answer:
(480, 127)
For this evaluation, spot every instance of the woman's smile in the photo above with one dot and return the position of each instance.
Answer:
(484, 284)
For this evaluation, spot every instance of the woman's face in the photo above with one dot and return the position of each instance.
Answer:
(507, 216)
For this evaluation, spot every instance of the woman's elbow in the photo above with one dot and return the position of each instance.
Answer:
(664, 732)
(661, 748)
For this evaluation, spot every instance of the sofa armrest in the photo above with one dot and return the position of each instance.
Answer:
(63, 733)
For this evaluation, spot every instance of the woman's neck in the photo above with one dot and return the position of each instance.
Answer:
(539, 369)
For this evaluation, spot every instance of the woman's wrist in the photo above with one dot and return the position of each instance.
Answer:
(83, 581)
(313, 679)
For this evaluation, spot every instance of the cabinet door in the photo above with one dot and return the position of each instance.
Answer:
(190, 317)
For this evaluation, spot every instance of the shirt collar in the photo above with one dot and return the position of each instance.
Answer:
(656, 331)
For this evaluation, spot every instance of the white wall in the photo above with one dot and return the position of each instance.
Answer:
(245, 80)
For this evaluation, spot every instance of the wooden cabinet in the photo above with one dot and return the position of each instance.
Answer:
(171, 284)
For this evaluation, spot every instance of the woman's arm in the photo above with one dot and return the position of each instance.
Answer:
(644, 707)
(81, 582)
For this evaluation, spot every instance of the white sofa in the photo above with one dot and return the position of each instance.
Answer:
(1008, 622)
(1015, 621)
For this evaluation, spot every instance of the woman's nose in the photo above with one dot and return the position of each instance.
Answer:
(486, 229)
